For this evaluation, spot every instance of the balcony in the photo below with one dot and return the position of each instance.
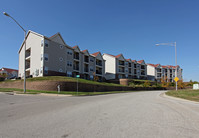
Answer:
(98, 62)
(76, 67)
(129, 65)
(143, 67)
(121, 63)
(86, 59)
(143, 73)
(135, 71)
(121, 70)
(99, 72)
(135, 66)
(85, 69)
(159, 70)
(76, 56)
(28, 51)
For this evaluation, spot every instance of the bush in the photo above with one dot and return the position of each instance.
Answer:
(147, 83)
(2, 78)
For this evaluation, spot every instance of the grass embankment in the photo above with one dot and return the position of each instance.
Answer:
(192, 95)
(20, 91)
(67, 79)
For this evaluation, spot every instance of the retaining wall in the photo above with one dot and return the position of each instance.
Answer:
(69, 86)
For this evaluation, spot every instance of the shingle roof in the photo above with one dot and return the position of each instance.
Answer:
(140, 61)
(75, 46)
(85, 50)
(95, 54)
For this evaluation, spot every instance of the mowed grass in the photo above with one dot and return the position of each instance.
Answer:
(67, 79)
(192, 95)
(74, 93)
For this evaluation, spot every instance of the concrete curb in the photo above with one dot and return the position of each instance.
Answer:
(176, 98)
(40, 94)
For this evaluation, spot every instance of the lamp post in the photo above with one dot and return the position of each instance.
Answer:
(172, 44)
(6, 14)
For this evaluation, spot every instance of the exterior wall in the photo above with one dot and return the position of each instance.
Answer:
(110, 64)
(33, 42)
(57, 57)
(110, 67)
(151, 72)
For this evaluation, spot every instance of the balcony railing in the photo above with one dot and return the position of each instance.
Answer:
(85, 69)
(121, 63)
(99, 63)
(120, 70)
(27, 55)
(76, 67)
(98, 72)
(143, 74)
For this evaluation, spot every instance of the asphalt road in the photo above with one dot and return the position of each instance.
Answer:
(127, 115)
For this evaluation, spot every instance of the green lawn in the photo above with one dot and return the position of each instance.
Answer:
(185, 94)
(67, 79)
(20, 91)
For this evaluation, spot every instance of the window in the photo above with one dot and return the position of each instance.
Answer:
(91, 59)
(41, 57)
(126, 63)
(60, 70)
(69, 52)
(69, 63)
(46, 43)
(69, 74)
(46, 57)
(46, 70)
(60, 59)
(126, 70)
(61, 46)
(91, 68)
(37, 72)
(42, 42)
(41, 70)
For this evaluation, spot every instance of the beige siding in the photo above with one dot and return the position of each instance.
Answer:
(33, 42)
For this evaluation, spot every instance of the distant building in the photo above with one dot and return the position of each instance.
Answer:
(117, 67)
(8, 73)
(157, 72)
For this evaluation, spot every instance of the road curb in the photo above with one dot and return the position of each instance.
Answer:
(176, 98)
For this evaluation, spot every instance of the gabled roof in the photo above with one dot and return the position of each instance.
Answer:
(8, 70)
(140, 61)
(154, 65)
(85, 51)
(76, 47)
(29, 31)
(134, 61)
(128, 60)
(57, 35)
(95, 54)
(118, 55)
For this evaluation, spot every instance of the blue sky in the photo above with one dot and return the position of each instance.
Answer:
(131, 27)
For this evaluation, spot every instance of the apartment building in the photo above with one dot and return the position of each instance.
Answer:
(51, 56)
(117, 67)
(157, 72)
(8, 73)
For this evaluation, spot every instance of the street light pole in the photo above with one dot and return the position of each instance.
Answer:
(176, 65)
(6, 14)
(172, 44)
